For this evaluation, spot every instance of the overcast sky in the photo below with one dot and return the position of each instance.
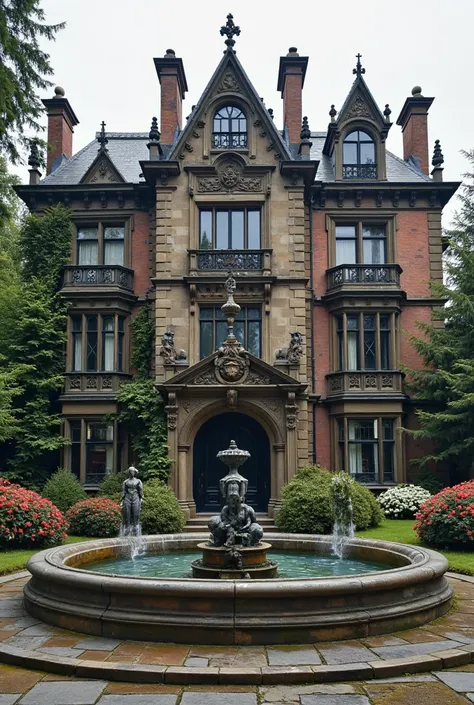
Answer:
(104, 59)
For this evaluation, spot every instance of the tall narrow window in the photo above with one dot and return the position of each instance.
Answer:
(108, 337)
(374, 244)
(88, 246)
(76, 326)
(346, 244)
(99, 451)
(114, 237)
(370, 333)
(120, 338)
(358, 156)
(376, 341)
(229, 128)
(75, 430)
(91, 344)
(367, 449)
(353, 342)
(213, 329)
(385, 342)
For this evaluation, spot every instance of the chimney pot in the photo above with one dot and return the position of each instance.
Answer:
(413, 120)
(173, 83)
(291, 75)
(61, 122)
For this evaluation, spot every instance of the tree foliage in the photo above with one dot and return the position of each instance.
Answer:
(23, 70)
(141, 407)
(446, 346)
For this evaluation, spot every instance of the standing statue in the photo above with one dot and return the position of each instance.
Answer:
(131, 503)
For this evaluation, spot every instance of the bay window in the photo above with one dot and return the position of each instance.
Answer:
(364, 341)
(97, 343)
(95, 449)
(367, 449)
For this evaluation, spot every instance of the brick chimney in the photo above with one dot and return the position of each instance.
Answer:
(291, 75)
(61, 122)
(172, 78)
(413, 120)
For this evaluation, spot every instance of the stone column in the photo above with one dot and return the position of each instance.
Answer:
(279, 478)
(183, 479)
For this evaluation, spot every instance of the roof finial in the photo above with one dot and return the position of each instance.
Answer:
(333, 113)
(305, 131)
(387, 112)
(154, 134)
(34, 158)
(231, 308)
(230, 30)
(270, 112)
(102, 139)
(438, 158)
(359, 70)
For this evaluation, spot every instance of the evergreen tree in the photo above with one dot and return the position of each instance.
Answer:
(23, 68)
(447, 349)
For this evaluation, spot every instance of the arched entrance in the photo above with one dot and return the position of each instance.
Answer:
(215, 435)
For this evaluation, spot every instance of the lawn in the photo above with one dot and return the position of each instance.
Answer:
(10, 561)
(401, 530)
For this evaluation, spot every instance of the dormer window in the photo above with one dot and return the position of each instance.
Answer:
(229, 128)
(358, 156)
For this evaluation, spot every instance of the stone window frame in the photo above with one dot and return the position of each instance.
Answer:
(360, 311)
(342, 463)
(119, 444)
(230, 104)
(102, 222)
(237, 201)
(358, 218)
(373, 130)
(241, 102)
(101, 314)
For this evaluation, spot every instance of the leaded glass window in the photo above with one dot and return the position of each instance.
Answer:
(229, 128)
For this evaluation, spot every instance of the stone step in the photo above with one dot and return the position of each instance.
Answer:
(199, 523)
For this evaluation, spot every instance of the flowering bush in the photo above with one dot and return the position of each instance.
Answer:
(403, 502)
(95, 517)
(447, 519)
(28, 520)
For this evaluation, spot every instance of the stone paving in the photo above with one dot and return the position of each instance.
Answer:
(443, 649)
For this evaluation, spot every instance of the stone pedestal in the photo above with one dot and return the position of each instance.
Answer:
(214, 563)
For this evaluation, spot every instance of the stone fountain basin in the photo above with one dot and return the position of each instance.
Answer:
(411, 592)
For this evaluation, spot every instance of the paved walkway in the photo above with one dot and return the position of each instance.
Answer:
(357, 666)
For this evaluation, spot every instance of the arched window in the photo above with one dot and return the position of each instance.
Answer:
(358, 156)
(229, 128)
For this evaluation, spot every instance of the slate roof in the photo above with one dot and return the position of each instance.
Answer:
(126, 149)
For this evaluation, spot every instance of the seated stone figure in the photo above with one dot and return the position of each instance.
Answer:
(237, 523)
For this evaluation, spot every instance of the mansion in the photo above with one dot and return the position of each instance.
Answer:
(332, 241)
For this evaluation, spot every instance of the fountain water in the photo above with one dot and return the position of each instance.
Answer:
(343, 528)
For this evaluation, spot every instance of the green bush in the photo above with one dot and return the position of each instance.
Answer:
(308, 506)
(161, 513)
(111, 487)
(64, 489)
(98, 517)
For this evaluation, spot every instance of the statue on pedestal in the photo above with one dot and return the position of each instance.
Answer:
(131, 503)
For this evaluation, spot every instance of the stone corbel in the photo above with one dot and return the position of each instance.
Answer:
(172, 411)
(291, 408)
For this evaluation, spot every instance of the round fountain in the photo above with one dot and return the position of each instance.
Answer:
(234, 550)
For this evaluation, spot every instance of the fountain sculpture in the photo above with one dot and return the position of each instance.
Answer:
(235, 549)
(131, 503)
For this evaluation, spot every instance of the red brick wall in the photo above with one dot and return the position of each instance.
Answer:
(415, 140)
(292, 102)
(320, 252)
(141, 252)
(409, 317)
(59, 139)
(417, 448)
(323, 438)
(171, 106)
(412, 252)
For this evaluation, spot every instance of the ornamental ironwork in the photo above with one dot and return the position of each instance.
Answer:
(229, 259)
(359, 171)
(364, 274)
(98, 275)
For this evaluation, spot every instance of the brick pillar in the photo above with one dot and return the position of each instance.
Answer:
(291, 77)
(172, 79)
(61, 123)
(413, 120)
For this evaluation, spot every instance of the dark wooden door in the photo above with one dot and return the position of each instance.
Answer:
(215, 435)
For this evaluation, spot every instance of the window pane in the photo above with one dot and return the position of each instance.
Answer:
(388, 464)
(206, 338)
(221, 333)
(76, 323)
(374, 251)
(98, 431)
(253, 344)
(254, 313)
(87, 234)
(346, 252)
(340, 350)
(76, 459)
(206, 313)
(384, 350)
(91, 352)
(253, 220)
(113, 252)
(352, 350)
(222, 230)
(239, 331)
(99, 461)
(369, 350)
(108, 343)
(349, 153)
(352, 322)
(116, 232)
(369, 231)
(237, 230)
(387, 429)
(367, 153)
(205, 234)
(77, 352)
(345, 231)
(75, 427)
(88, 253)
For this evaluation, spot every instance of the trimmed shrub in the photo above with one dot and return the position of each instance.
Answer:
(64, 489)
(98, 516)
(403, 502)
(111, 487)
(447, 519)
(161, 513)
(308, 505)
(28, 520)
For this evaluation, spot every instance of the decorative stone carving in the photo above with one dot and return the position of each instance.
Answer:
(205, 378)
(229, 178)
(229, 84)
(91, 382)
(294, 352)
(172, 411)
(107, 382)
(336, 384)
(232, 398)
(370, 382)
(103, 173)
(232, 363)
(168, 351)
(257, 378)
(386, 382)
(292, 410)
(354, 381)
(191, 404)
(75, 382)
(357, 109)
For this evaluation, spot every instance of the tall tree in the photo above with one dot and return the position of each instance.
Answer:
(447, 349)
(23, 69)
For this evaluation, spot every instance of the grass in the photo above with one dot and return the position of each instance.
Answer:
(401, 530)
(11, 561)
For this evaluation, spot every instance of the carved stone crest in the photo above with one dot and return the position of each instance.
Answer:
(168, 351)
(358, 108)
(229, 84)
(103, 173)
(229, 178)
(232, 363)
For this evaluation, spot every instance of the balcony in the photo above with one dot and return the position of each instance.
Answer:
(93, 382)
(360, 276)
(80, 276)
(359, 171)
(367, 382)
(205, 261)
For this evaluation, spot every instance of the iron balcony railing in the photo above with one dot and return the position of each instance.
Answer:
(364, 274)
(98, 275)
(359, 171)
(225, 260)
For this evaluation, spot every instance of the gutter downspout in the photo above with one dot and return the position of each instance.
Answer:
(313, 359)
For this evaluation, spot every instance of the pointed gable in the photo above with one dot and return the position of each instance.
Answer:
(230, 79)
(102, 171)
